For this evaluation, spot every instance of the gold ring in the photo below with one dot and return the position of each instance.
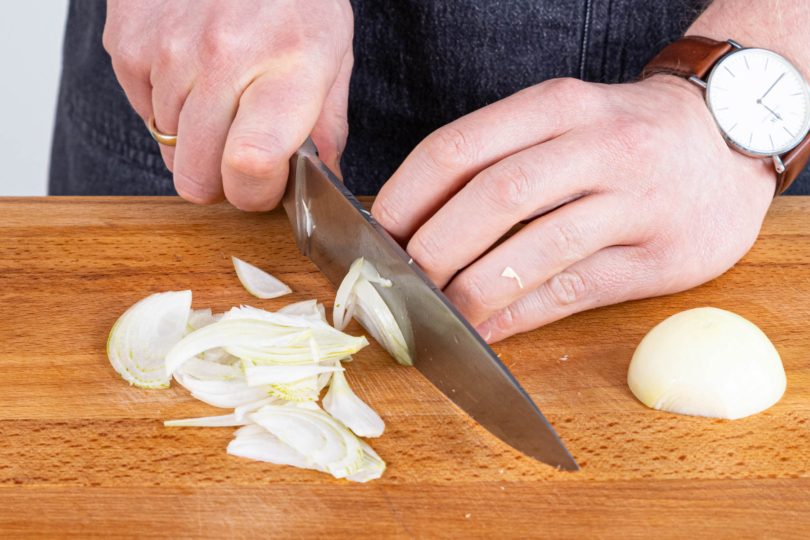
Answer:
(166, 140)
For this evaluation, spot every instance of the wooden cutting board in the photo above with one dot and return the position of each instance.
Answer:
(83, 454)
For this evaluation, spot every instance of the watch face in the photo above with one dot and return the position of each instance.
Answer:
(760, 101)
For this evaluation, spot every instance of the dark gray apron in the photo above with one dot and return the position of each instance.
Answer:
(419, 64)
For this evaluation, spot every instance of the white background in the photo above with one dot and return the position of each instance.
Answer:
(31, 34)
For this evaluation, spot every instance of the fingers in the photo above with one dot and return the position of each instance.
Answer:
(170, 90)
(276, 114)
(202, 130)
(332, 128)
(612, 275)
(504, 194)
(441, 164)
(539, 251)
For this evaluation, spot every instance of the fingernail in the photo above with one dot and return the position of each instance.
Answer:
(484, 331)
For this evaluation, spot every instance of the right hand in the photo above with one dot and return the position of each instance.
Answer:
(242, 84)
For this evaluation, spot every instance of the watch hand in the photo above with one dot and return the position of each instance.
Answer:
(776, 114)
(771, 88)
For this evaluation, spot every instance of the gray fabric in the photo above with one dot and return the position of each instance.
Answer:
(419, 64)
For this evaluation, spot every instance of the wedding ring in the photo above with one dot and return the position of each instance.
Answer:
(166, 140)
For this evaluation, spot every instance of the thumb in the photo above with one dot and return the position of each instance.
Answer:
(276, 114)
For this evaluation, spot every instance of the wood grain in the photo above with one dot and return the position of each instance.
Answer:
(84, 455)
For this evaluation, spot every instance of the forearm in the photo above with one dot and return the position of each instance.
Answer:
(782, 26)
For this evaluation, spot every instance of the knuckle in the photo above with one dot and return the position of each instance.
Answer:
(474, 294)
(449, 148)
(223, 41)
(566, 289)
(252, 162)
(426, 248)
(508, 187)
(388, 213)
(630, 140)
(565, 239)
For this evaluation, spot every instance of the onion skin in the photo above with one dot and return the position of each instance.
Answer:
(707, 362)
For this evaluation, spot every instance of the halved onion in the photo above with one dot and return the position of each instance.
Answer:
(258, 282)
(141, 338)
(342, 403)
(707, 362)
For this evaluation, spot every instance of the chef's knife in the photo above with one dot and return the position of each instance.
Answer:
(333, 229)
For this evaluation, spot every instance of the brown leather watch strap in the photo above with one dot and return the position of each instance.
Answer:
(690, 55)
(794, 161)
(695, 55)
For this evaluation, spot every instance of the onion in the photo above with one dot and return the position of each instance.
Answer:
(357, 297)
(259, 375)
(267, 447)
(315, 435)
(345, 406)
(508, 272)
(707, 362)
(229, 332)
(143, 335)
(258, 282)
(269, 367)
(227, 420)
(371, 468)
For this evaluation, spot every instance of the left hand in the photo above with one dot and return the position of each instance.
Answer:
(645, 196)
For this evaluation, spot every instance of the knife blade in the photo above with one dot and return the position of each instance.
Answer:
(333, 229)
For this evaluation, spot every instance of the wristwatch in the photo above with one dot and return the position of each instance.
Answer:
(759, 100)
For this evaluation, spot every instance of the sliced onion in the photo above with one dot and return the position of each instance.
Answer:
(373, 313)
(342, 403)
(260, 375)
(223, 394)
(227, 420)
(345, 295)
(299, 391)
(316, 435)
(249, 332)
(357, 297)
(509, 273)
(242, 410)
(258, 282)
(371, 468)
(141, 338)
(212, 371)
(199, 318)
(267, 447)
(307, 307)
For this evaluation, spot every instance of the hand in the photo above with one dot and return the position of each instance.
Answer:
(242, 84)
(638, 196)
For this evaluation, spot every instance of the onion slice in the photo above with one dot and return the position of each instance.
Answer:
(342, 403)
(227, 420)
(314, 434)
(509, 273)
(258, 282)
(259, 375)
(141, 338)
(229, 332)
(357, 297)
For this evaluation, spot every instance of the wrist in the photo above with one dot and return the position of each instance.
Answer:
(753, 171)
